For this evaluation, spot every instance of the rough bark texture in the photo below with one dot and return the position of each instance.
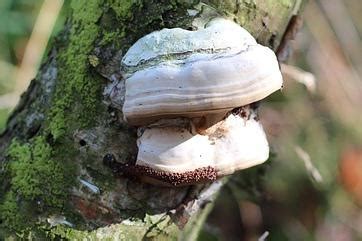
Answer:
(53, 181)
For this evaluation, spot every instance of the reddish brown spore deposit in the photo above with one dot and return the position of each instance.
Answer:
(199, 175)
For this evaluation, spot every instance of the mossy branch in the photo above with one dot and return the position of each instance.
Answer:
(53, 183)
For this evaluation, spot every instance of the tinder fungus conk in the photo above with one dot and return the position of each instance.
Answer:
(181, 88)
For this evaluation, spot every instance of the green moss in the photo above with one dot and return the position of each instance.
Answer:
(35, 175)
(122, 7)
(76, 83)
(37, 183)
(109, 37)
(10, 214)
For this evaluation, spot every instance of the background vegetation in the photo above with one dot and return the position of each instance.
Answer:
(312, 187)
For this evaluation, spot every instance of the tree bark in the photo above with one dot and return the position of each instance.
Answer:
(53, 181)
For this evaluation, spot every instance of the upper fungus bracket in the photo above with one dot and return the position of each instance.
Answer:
(176, 72)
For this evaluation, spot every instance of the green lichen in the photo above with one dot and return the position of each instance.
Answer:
(153, 227)
(283, 5)
(93, 60)
(113, 232)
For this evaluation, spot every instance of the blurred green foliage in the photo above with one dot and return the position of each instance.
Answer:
(17, 18)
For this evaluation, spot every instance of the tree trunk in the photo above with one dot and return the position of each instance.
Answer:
(53, 181)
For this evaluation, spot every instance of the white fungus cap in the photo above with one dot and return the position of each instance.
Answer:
(179, 73)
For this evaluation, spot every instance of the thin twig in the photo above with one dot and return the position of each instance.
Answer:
(263, 236)
(312, 170)
(300, 76)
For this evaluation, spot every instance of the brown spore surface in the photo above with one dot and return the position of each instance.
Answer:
(199, 175)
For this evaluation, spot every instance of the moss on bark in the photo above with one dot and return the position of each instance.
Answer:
(77, 89)
(38, 184)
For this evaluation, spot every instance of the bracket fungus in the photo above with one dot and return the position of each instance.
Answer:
(190, 94)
